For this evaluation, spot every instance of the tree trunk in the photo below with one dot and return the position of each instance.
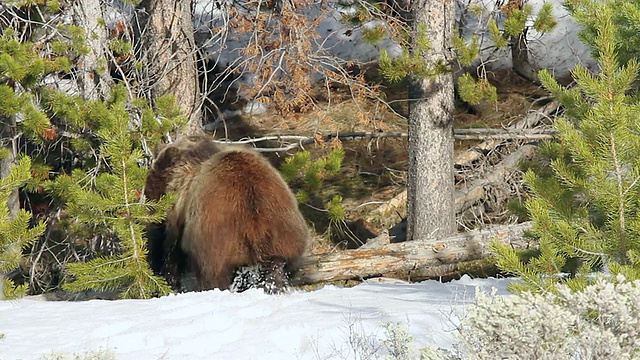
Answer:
(165, 33)
(430, 182)
(413, 260)
(520, 58)
(93, 77)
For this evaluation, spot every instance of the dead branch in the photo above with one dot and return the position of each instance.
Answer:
(533, 118)
(290, 142)
(476, 190)
(503, 134)
(388, 208)
(415, 260)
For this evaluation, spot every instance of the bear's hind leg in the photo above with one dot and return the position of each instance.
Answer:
(275, 277)
(175, 265)
(156, 235)
(175, 259)
(270, 276)
(246, 277)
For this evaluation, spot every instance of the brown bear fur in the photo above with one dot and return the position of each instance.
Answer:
(233, 209)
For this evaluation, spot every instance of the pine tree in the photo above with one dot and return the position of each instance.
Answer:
(506, 26)
(15, 233)
(21, 68)
(96, 152)
(308, 176)
(625, 15)
(586, 215)
(110, 197)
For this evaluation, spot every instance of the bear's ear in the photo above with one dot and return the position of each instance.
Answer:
(168, 158)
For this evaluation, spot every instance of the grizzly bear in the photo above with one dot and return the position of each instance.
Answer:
(233, 209)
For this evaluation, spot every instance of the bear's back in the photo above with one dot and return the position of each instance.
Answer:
(247, 199)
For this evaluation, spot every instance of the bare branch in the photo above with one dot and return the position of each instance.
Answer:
(298, 141)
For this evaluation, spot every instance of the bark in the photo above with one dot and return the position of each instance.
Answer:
(414, 260)
(520, 59)
(165, 32)
(430, 176)
(93, 75)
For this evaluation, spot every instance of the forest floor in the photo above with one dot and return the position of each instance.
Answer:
(374, 170)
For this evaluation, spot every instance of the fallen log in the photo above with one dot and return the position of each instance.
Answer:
(385, 210)
(413, 260)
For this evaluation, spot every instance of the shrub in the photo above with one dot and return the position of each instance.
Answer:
(585, 216)
(600, 322)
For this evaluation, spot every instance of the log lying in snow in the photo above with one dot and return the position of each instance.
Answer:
(415, 260)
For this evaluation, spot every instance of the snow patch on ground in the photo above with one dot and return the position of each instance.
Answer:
(249, 325)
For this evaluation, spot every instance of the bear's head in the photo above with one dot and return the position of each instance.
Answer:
(175, 162)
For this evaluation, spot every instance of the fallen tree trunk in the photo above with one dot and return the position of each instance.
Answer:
(413, 260)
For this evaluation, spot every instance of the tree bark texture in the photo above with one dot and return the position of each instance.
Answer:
(413, 260)
(93, 75)
(430, 177)
(165, 33)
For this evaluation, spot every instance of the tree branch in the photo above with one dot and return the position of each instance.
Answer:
(297, 141)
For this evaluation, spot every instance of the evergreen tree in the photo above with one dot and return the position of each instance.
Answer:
(96, 152)
(505, 26)
(625, 15)
(307, 176)
(21, 68)
(109, 198)
(15, 233)
(586, 215)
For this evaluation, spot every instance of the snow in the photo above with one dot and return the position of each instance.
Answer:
(250, 325)
(559, 50)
